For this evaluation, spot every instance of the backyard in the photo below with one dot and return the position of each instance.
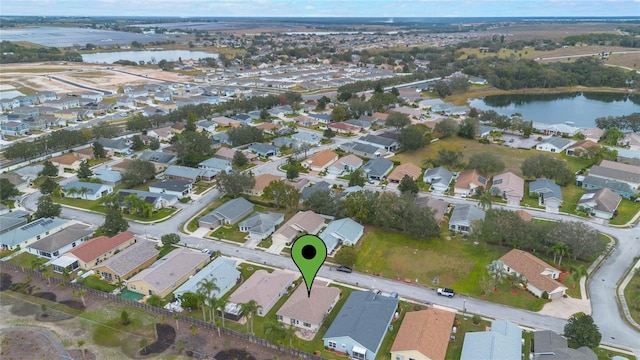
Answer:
(95, 206)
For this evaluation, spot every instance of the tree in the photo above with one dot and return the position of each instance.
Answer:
(136, 143)
(612, 136)
(328, 133)
(155, 300)
(48, 169)
(234, 183)
(442, 89)
(583, 241)
(581, 330)
(7, 190)
(346, 256)
(249, 309)
(397, 120)
(245, 134)
(84, 171)
(138, 122)
(448, 158)
(357, 178)
(321, 202)
(578, 272)
(154, 144)
(48, 186)
(79, 294)
(340, 113)
(412, 137)
(497, 272)
(239, 159)
(408, 186)
(446, 128)
(138, 172)
(169, 239)
(559, 249)
(467, 129)
(98, 151)
(292, 172)
(114, 223)
(47, 208)
(547, 167)
(486, 163)
(208, 288)
(193, 147)
(105, 130)
(274, 331)
(322, 103)
(485, 200)
(284, 195)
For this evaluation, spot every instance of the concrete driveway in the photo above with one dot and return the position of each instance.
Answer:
(565, 307)
(519, 142)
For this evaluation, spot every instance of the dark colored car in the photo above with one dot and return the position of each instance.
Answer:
(344, 269)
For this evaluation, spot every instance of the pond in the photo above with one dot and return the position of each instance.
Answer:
(580, 108)
(147, 56)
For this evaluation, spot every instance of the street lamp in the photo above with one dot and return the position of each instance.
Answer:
(464, 308)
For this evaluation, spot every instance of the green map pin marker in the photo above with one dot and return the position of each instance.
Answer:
(309, 253)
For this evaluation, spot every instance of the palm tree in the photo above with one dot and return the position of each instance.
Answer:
(290, 333)
(497, 271)
(222, 304)
(207, 288)
(83, 192)
(175, 317)
(274, 330)
(249, 309)
(47, 274)
(485, 200)
(71, 191)
(111, 201)
(79, 294)
(578, 272)
(559, 249)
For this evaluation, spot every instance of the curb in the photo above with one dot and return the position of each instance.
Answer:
(621, 300)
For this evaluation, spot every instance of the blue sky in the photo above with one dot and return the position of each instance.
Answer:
(322, 8)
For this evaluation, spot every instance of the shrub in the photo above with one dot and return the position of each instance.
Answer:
(476, 319)
(545, 295)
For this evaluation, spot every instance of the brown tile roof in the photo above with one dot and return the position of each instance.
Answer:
(531, 268)
(426, 331)
(268, 126)
(263, 287)
(263, 180)
(303, 221)
(584, 144)
(225, 153)
(66, 159)
(86, 151)
(122, 165)
(96, 247)
(381, 116)
(322, 158)
(469, 177)
(310, 309)
(405, 169)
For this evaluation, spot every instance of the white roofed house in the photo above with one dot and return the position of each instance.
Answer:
(306, 221)
(344, 231)
(178, 188)
(261, 225)
(86, 190)
(601, 203)
(554, 144)
(344, 164)
(509, 186)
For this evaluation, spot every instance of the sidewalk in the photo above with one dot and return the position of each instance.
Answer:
(621, 298)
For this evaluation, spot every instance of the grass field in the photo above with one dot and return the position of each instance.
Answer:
(27, 260)
(94, 205)
(626, 211)
(454, 350)
(632, 295)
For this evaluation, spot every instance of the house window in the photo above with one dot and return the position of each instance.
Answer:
(357, 355)
(73, 244)
(307, 325)
(56, 253)
(332, 344)
(293, 321)
(133, 287)
(280, 318)
(37, 238)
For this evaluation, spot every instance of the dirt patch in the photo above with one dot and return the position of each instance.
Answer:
(5, 281)
(46, 295)
(24, 309)
(52, 316)
(83, 354)
(166, 336)
(74, 304)
(27, 344)
(234, 354)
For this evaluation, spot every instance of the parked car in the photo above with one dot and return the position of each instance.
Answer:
(445, 292)
(205, 251)
(376, 291)
(370, 181)
(345, 269)
(394, 295)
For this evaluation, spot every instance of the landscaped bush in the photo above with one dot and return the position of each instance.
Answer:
(476, 319)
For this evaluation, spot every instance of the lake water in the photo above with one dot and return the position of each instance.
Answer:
(580, 108)
(146, 56)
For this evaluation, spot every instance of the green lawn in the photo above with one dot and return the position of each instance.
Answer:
(165, 250)
(453, 263)
(454, 350)
(230, 232)
(202, 186)
(95, 282)
(632, 295)
(626, 211)
(193, 224)
(94, 205)
(28, 260)
(570, 196)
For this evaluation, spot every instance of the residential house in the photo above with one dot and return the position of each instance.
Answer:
(541, 277)
(439, 206)
(159, 159)
(244, 118)
(364, 150)
(225, 121)
(308, 310)
(128, 262)
(18, 181)
(215, 166)
(410, 112)
(556, 129)
(228, 213)
(344, 128)
(27, 234)
(67, 163)
(553, 144)
(593, 134)
(14, 128)
(108, 177)
(510, 187)
(306, 137)
(163, 134)
(601, 203)
(582, 148)
(85, 153)
(167, 106)
(377, 168)
(320, 161)
(341, 232)
(302, 222)
(158, 201)
(386, 143)
(424, 335)
(264, 288)
(10, 220)
(402, 170)
(264, 150)
(182, 173)
(165, 275)
(632, 140)
(269, 128)
(310, 190)
(67, 115)
(222, 271)
(206, 125)
(468, 183)
(502, 342)
(114, 146)
(261, 225)
(225, 153)
(621, 188)
(348, 164)
(360, 123)
(549, 194)
(547, 345)
(126, 102)
(261, 182)
(52, 246)
(361, 325)
(380, 117)
(613, 170)
(221, 138)
(177, 188)
(86, 190)
(283, 141)
(91, 252)
(320, 118)
(439, 178)
(464, 217)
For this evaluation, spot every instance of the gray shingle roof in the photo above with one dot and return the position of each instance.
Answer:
(377, 139)
(556, 141)
(230, 210)
(157, 156)
(215, 163)
(502, 342)
(263, 148)
(345, 230)
(614, 174)
(377, 167)
(182, 171)
(27, 231)
(613, 185)
(438, 175)
(62, 238)
(116, 144)
(107, 175)
(466, 213)
(261, 222)
(171, 185)
(547, 187)
(130, 258)
(310, 190)
(364, 318)
(222, 271)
